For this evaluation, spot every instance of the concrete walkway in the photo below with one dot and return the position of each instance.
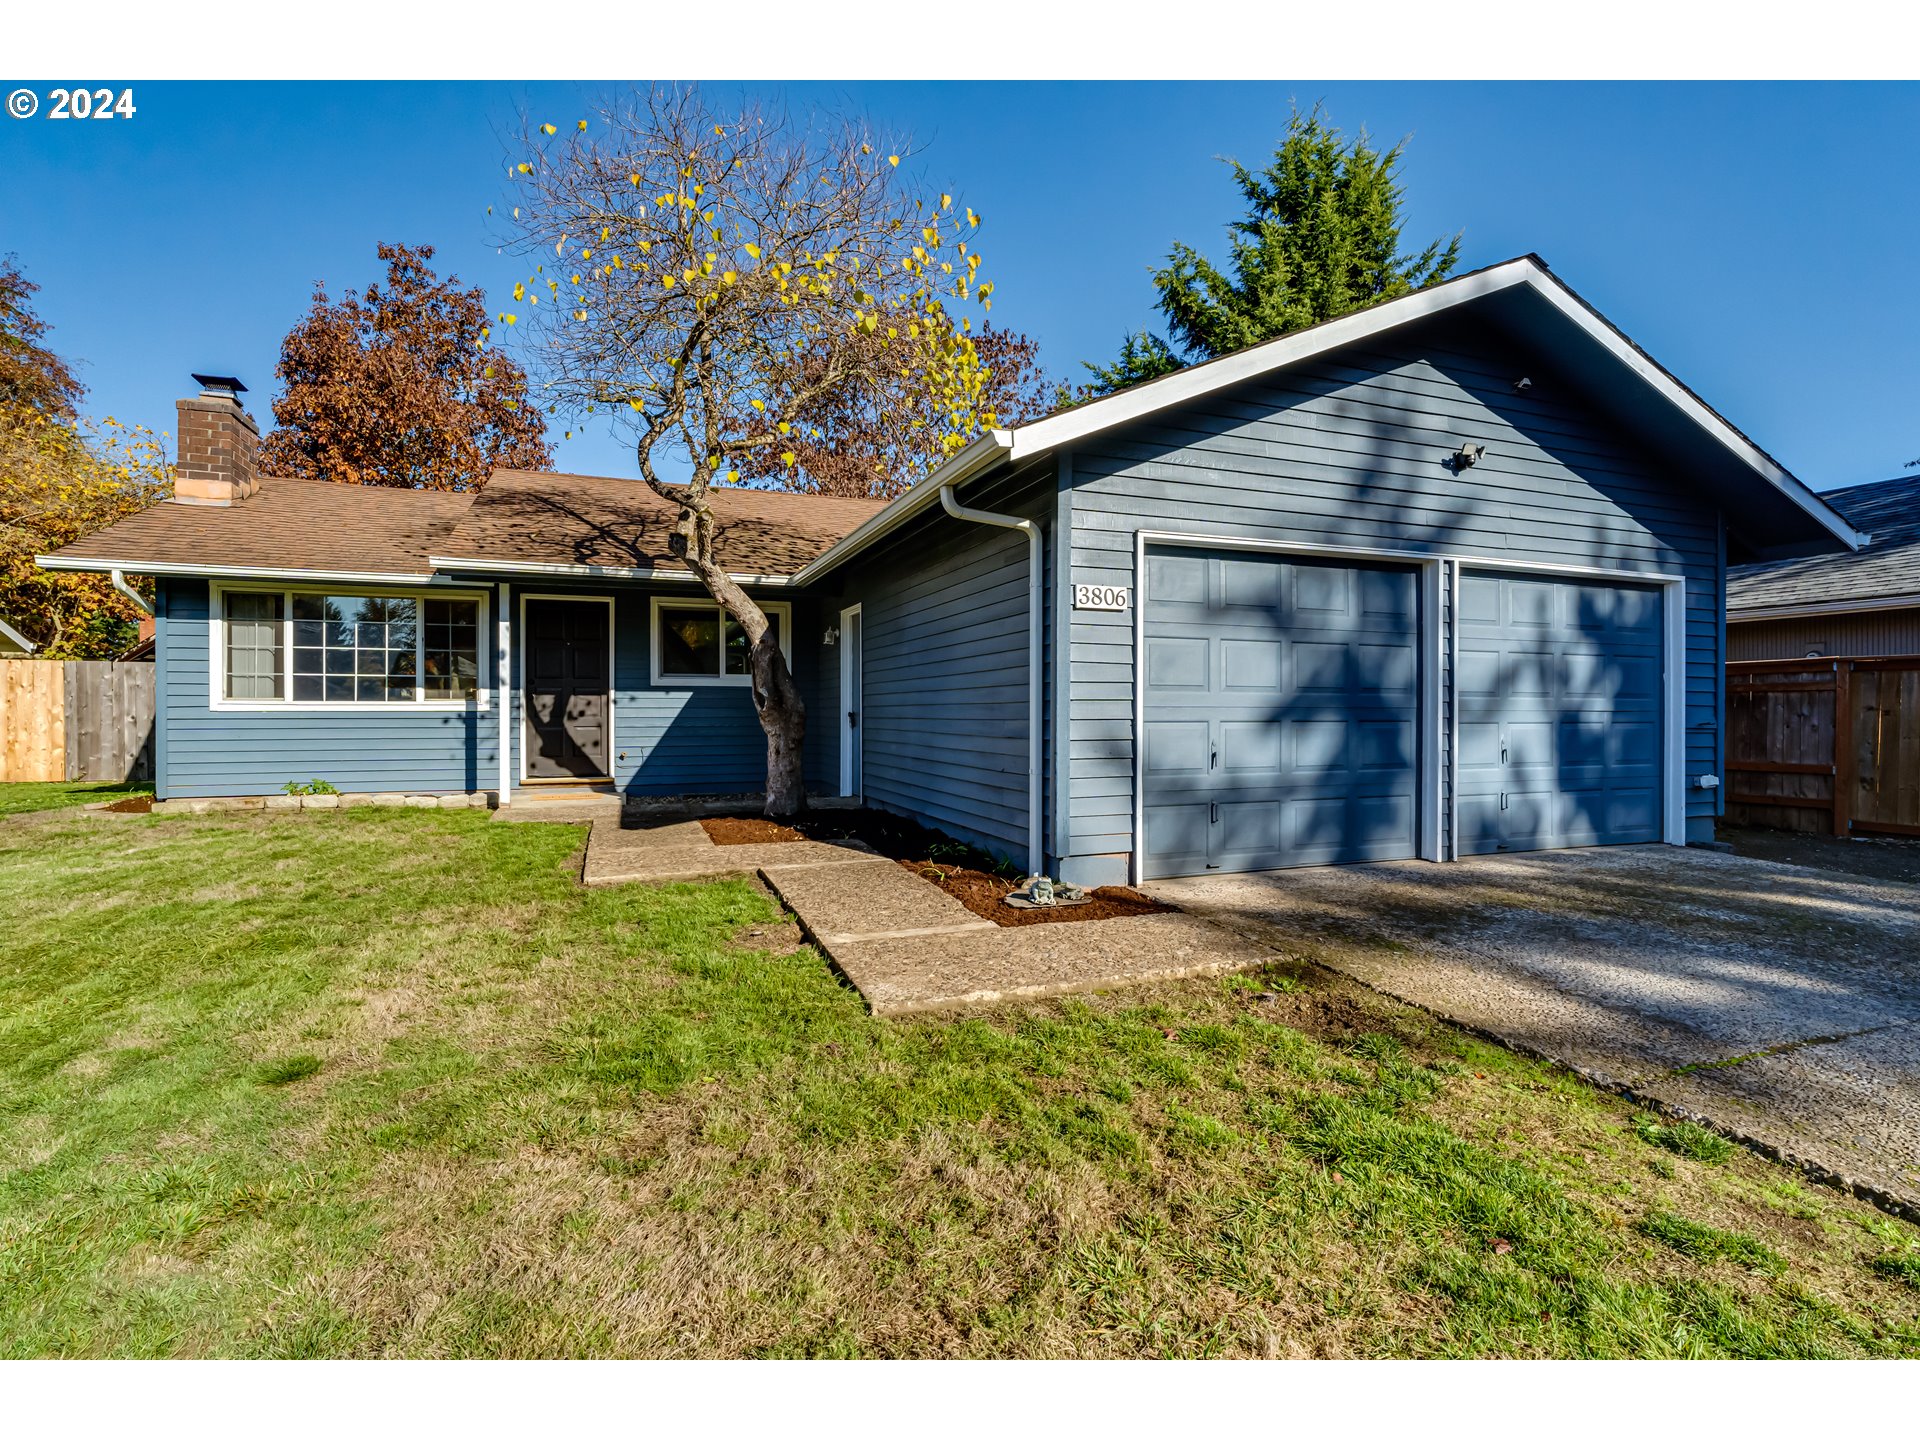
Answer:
(904, 943)
(1779, 1003)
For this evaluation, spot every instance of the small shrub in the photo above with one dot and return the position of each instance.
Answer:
(288, 1069)
(311, 787)
(1696, 1142)
(1703, 1242)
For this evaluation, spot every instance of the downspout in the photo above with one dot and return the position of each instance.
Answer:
(1036, 679)
(119, 578)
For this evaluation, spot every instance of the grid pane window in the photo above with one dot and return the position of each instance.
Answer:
(254, 634)
(450, 650)
(354, 647)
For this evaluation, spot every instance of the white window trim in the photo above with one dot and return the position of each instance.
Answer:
(217, 653)
(657, 603)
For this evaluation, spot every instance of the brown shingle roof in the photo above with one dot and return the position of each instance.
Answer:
(287, 524)
(524, 516)
(595, 520)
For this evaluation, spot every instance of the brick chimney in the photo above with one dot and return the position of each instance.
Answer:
(217, 441)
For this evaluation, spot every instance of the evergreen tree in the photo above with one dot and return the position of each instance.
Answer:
(1320, 238)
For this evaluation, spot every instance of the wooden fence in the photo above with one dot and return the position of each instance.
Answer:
(1825, 745)
(76, 720)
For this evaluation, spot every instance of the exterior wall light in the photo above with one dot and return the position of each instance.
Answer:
(1467, 456)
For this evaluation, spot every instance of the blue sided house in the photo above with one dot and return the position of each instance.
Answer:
(1442, 577)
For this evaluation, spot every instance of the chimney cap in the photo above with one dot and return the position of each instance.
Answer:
(227, 386)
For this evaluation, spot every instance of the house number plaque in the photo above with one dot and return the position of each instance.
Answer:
(1101, 597)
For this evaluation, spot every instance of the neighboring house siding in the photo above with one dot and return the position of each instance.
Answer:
(693, 739)
(224, 752)
(944, 614)
(1869, 633)
(1346, 450)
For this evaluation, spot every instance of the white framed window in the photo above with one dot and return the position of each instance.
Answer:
(345, 647)
(695, 642)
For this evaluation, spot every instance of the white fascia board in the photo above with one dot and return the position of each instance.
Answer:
(236, 572)
(1257, 360)
(596, 572)
(986, 450)
(1199, 380)
(1814, 609)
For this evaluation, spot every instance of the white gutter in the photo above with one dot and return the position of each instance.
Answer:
(1036, 679)
(596, 572)
(238, 572)
(503, 689)
(119, 578)
(989, 449)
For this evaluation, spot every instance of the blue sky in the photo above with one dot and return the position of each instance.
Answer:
(1756, 239)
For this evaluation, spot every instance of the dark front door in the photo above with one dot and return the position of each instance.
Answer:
(567, 695)
(1281, 712)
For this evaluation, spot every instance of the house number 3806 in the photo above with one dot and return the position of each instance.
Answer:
(1100, 597)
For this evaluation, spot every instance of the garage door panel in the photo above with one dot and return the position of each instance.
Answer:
(1559, 714)
(1177, 748)
(1178, 664)
(1312, 690)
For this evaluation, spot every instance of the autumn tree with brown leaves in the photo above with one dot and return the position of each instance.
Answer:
(862, 446)
(396, 387)
(60, 479)
(727, 284)
(32, 377)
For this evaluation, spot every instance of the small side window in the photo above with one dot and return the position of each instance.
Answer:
(254, 637)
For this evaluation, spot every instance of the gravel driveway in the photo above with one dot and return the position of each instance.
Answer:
(1782, 1003)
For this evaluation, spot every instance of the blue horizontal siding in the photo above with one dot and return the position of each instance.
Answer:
(1346, 450)
(206, 752)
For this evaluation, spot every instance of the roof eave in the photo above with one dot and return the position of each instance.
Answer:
(1814, 609)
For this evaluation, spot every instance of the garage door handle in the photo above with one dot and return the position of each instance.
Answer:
(1213, 813)
(1503, 752)
(1213, 759)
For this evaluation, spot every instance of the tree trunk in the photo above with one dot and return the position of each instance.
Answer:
(783, 715)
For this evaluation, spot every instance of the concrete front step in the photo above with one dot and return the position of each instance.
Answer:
(609, 862)
(841, 903)
(910, 975)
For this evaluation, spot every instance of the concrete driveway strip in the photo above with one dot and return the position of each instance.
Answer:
(1780, 1003)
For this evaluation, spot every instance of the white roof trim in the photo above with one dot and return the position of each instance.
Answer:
(993, 446)
(1814, 609)
(239, 572)
(1097, 415)
(17, 638)
(598, 572)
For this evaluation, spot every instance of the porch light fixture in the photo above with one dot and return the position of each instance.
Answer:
(832, 635)
(1467, 456)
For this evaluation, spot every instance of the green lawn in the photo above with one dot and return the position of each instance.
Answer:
(382, 1082)
(63, 794)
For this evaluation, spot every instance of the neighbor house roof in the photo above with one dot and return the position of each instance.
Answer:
(15, 639)
(523, 521)
(1882, 574)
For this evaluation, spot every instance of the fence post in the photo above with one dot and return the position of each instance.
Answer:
(1844, 782)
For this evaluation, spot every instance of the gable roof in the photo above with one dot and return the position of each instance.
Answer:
(1883, 574)
(287, 528)
(530, 522)
(523, 521)
(1776, 510)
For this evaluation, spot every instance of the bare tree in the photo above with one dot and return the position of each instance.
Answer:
(726, 285)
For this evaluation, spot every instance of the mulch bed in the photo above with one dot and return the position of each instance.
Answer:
(962, 871)
(747, 830)
(132, 805)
